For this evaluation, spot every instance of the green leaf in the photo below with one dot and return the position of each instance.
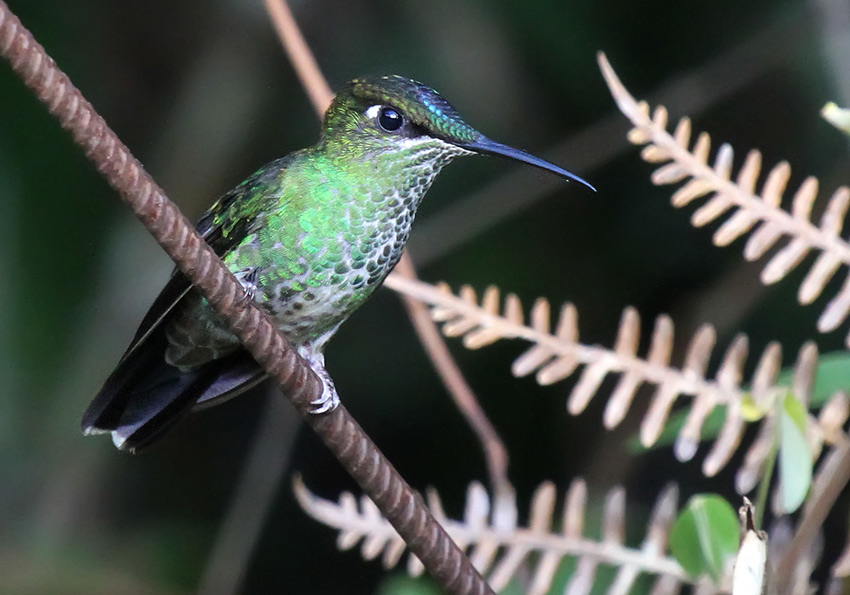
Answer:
(833, 374)
(751, 410)
(795, 456)
(400, 584)
(705, 536)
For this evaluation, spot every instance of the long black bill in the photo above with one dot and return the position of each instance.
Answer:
(487, 146)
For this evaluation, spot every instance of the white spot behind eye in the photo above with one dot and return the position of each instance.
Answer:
(373, 111)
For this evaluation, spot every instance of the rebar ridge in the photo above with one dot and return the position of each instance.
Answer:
(398, 502)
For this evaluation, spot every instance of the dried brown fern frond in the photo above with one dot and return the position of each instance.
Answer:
(557, 355)
(500, 552)
(760, 213)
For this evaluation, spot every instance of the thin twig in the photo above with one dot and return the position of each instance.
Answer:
(833, 477)
(299, 53)
(435, 346)
(764, 484)
(402, 506)
(429, 335)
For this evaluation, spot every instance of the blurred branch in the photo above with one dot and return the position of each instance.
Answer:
(255, 492)
(495, 451)
(241, 528)
(828, 485)
(364, 462)
(299, 54)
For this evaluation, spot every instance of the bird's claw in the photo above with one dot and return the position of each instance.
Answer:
(247, 296)
(324, 403)
(329, 399)
(248, 279)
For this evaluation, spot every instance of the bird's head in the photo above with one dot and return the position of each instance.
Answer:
(374, 115)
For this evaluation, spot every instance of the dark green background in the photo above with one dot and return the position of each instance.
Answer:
(202, 93)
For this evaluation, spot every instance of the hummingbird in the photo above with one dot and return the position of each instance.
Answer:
(310, 237)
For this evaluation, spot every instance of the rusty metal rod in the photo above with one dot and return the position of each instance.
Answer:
(402, 506)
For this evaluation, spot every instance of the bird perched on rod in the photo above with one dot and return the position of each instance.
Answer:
(310, 237)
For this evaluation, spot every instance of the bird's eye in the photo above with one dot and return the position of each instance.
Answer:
(389, 119)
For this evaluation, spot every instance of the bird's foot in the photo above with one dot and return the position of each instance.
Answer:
(329, 400)
(248, 279)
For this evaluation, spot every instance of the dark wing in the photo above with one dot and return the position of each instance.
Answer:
(144, 396)
(178, 285)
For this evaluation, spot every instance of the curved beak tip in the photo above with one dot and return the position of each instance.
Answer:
(487, 146)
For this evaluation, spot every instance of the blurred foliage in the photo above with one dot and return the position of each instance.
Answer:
(705, 536)
(201, 92)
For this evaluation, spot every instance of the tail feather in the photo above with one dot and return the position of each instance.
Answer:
(104, 412)
(145, 396)
(150, 412)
